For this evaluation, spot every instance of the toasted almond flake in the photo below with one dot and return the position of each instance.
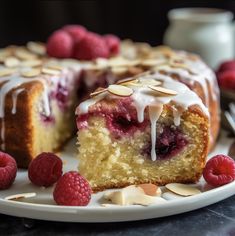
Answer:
(152, 82)
(55, 67)
(120, 90)
(37, 48)
(4, 53)
(132, 195)
(19, 196)
(31, 63)
(152, 62)
(121, 61)
(97, 92)
(162, 90)
(31, 73)
(132, 79)
(182, 189)
(119, 70)
(151, 189)
(46, 70)
(11, 62)
(24, 54)
(6, 72)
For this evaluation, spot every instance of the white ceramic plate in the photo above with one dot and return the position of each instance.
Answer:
(43, 207)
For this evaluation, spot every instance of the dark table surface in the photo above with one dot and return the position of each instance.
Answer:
(217, 219)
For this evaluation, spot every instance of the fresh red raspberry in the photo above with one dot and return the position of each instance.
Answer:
(226, 79)
(219, 170)
(91, 47)
(72, 190)
(8, 170)
(113, 43)
(60, 44)
(77, 32)
(45, 169)
(227, 65)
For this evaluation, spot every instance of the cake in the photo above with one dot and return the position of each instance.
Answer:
(148, 128)
(39, 94)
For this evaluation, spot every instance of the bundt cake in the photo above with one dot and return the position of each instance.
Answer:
(38, 94)
(148, 128)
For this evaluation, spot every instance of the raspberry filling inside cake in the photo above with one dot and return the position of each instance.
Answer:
(170, 142)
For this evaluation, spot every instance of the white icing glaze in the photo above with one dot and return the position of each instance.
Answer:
(154, 114)
(14, 99)
(144, 97)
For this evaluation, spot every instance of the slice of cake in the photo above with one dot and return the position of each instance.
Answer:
(147, 128)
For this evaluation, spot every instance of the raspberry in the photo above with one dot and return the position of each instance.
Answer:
(226, 79)
(113, 43)
(60, 44)
(45, 169)
(91, 47)
(8, 169)
(77, 32)
(72, 190)
(219, 170)
(227, 65)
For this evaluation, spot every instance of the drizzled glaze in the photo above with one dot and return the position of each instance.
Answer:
(143, 97)
(16, 82)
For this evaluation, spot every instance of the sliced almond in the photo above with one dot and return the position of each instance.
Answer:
(152, 62)
(19, 196)
(162, 90)
(97, 92)
(121, 61)
(123, 81)
(11, 62)
(150, 82)
(37, 48)
(31, 73)
(119, 70)
(151, 189)
(48, 71)
(4, 53)
(55, 67)
(120, 90)
(132, 195)
(31, 63)
(182, 189)
(6, 72)
(24, 54)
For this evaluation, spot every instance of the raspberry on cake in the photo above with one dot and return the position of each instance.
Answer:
(146, 129)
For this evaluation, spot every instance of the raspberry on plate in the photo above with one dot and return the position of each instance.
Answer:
(219, 170)
(91, 47)
(8, 170)
(227, 65)
(60, 44)
(72, 189)
(45, 169)
(113, 43)
(226, 79)
(77, 32)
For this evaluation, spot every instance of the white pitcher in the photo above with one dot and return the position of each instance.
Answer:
(205, 31)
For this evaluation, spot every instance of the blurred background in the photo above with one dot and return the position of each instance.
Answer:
(142, 20)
